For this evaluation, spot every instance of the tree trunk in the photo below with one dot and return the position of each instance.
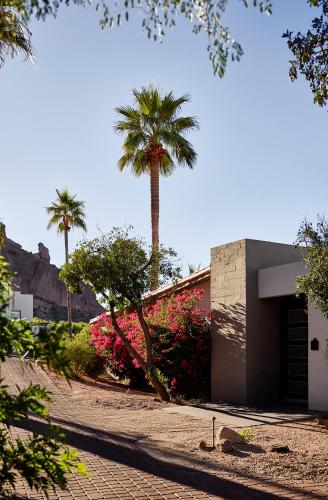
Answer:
(158, 386)
(150, 370)
(69, 298)
(154, 197)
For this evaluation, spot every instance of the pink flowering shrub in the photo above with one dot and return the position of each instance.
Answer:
(181, 343)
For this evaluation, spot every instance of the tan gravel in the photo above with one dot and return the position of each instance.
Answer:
(166, 434)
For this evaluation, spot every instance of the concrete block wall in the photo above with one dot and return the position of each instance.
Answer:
(228, 303)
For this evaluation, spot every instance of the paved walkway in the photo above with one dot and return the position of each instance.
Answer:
(242, 416)
(120, 469)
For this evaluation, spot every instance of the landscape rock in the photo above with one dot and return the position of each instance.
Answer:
(225, 433)
(322, 421)
(202, 445)
(278, 448)
(226, 446)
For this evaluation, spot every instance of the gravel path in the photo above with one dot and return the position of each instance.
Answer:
(133, 449)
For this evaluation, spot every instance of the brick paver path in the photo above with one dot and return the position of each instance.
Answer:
(119, 469)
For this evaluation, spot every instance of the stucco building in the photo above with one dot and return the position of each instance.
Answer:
(267, 345)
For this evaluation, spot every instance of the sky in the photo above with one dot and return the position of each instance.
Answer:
(262, 143)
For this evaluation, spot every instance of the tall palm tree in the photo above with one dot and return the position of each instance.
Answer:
(154, 142)
(66, 213)
(14, 34)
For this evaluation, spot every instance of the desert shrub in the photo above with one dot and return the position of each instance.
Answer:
(181, 343)
(82, 354)
(76, 326)
(247, 433)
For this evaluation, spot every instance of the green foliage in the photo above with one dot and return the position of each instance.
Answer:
(42, 461)
(310, 51)
(76, 326)
(205, 16)
(117, 266)
(247, 434)
(82, 354)
(315, 283)
(15, 36)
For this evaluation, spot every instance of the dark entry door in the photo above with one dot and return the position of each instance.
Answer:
(294, 349)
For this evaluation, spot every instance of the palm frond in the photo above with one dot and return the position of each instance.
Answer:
(170, 106)
(167, 166)
(125, 160)
(179, 147)
(66, 210)
(185, 124)
(133, 141)
(129, 112)
(15, 36)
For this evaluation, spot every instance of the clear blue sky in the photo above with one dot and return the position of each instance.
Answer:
(262, 146)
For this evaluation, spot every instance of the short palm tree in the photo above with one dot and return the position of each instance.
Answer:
(66, 213)
(154, 142)
(14, 34)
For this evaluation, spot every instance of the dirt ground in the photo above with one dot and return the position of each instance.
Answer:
(167, 434)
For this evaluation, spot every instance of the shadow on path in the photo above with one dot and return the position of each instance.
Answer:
(124, 453)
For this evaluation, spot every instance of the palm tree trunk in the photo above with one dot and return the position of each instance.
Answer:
(154, 197)
(69, 298)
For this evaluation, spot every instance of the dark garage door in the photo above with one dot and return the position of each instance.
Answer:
(294, 349)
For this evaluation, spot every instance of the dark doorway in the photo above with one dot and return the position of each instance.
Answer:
(294, 349)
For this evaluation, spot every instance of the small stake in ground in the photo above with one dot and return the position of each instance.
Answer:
(213, 424)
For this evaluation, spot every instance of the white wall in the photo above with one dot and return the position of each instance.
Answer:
(318, 364)
(22, 302)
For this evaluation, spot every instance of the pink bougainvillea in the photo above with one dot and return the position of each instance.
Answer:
(181, 342)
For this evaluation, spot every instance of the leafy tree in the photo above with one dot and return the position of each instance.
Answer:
(310, 51)
(66, 213)
(15, 36)
(154, 138)
(41, 460)
(118, 267)
(315, 283)
(157, 15)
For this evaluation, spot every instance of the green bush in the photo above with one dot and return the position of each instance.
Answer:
(247, 433)
(76, 326)
(82, 355)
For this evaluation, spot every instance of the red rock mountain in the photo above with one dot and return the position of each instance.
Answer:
(35, 275)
